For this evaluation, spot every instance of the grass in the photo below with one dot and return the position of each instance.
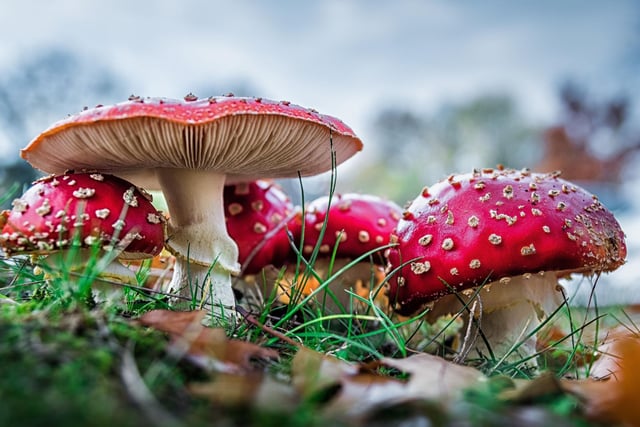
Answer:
(70, 356)
(63, 353)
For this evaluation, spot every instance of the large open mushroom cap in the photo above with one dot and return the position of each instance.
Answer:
(245, 138)
(493, 224)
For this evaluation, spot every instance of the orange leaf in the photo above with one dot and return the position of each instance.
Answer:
(205, 346)
(611, 395)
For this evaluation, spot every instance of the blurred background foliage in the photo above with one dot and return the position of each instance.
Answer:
(592, 140)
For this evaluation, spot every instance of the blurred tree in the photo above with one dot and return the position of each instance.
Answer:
(593, 142)
(413, 150)
(40, 91)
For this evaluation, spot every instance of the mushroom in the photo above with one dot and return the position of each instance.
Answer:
(512, 232)
(352, 225)
(257, 214)
(83, 210)
(191, 148)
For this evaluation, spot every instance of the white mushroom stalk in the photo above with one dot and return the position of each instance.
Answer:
(524, 303)
(206, 256)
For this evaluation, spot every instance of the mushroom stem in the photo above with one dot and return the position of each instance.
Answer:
(205, 254)
(110, 272)
(511, 310)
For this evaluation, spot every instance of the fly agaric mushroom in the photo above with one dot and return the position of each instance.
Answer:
(191, 147)
(84, 209)
(352, 224)
(257, 213)
(516, 231)
(360, 222)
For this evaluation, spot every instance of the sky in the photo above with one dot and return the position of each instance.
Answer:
(346, 58)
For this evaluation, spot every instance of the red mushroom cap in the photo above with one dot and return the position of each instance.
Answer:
(362, 222)
(255, 213)
(48, 215)
(244, 138)
(493, 224)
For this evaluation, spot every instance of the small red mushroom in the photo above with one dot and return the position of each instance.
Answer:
(257, 213)
(516, 231)
(360, 222)
(351, 224)
(83, 209)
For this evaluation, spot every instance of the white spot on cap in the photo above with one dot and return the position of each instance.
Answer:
(19, 205)
(44, 209)
(494, 239)
(257, 205)
(447, 244)
(104, 213)
(475, 264)
(242, 189)
(130, 198)
(528, 250)
(90, 240)
(234, 208)
(84, 193)
(425, 240)
(420, 267)
(507, 192)
(363, 236)
(450, 218)
(154, 218)
(473, 221)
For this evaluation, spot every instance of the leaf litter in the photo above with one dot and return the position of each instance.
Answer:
(351, 391)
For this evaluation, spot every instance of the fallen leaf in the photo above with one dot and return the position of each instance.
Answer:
(525, 390)
(611, 394)
(345, 388)
(207, 347)
(359, 389)
(255, 390)
(312, 372)
(432, 377)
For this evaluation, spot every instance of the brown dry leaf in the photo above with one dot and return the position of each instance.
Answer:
(206, 347)
(435, 378)
(361, 389)
(312, 372)
(525, 390)
(254, 389)
(611, 395)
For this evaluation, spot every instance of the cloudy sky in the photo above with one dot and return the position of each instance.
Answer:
(345, 58)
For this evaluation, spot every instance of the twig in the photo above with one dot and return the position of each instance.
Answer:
(266, 329)
(469, 341)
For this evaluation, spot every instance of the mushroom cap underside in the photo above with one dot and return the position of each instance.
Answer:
(246, 138)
